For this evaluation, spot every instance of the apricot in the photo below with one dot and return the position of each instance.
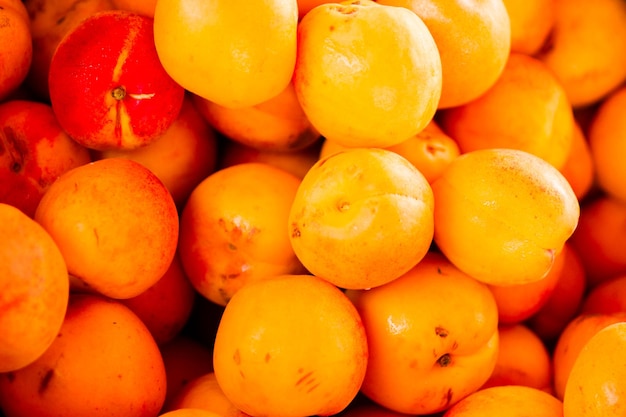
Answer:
(34, 152)
(432, 337)
(107, 85)
(361, 218)
(607, 297)
(502, 215)
(235, 53)
(586, 49)
(234, 230)
(579, 168)
(104, 362)
(525, 109)
(34, 289)
(597, 382)
(356, 82)
(473, 39)
(531, 24)
(261, 365)
(115, 224)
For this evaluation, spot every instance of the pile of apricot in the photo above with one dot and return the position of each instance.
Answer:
(295, 208)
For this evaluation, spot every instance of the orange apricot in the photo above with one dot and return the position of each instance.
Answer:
(166, 306)
(16, 46)
(586, 49)
(565, 300)
(266, 365)
(234, 230)
(361, 218)
(572, 340)
(473, 39)
(277, 124)
(607, 297)
(115, 224)
(234, 53)
(356, 82)
(185, 154)
(104, 362)
(432, 337)
(517, 303)
(431, 150)
(599, 238)
(34, 289)
(596, 386)
(203, 392)
(523, 359)
(507, 401)
(185, 359)
(531, 24)
(526, 109)
(502, 215)
(606, 142)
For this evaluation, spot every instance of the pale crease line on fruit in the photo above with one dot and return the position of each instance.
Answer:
(141, 96)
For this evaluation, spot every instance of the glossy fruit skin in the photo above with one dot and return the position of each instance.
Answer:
(432, 336)
(266, 365)
(597, 383)
(34, 289)
(119, 95)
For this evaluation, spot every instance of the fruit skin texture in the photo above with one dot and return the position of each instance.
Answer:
(366, 74)
(596, 386)
(473, 39)
(104, 362)
(361, 218)
(107, 86)
(235, 53)
(34, 152)
(496, 235)
(115, 223)
(233, 229)
(16, 47)
(34, 289)
(267, 365)
(432, 337)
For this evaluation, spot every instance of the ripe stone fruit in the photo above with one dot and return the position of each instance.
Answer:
(34, 152)
(16, 47)
(290, 346)
(362, 218)
(432, 336)
(502, 215)
(107, 85)
(115, 224)
(366, 74)
(34, 289)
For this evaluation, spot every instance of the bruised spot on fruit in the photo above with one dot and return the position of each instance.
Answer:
(232, 246)
(295, 231)
(17, 149)
(444, 360)
(441, 332)
(237, 357)
(45, 381)
(267, 357)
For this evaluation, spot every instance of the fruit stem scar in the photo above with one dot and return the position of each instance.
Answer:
(118, 93)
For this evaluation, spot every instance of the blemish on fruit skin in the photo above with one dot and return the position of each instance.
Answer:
(441, 332)
(267, 357)
(237, 357)
(295, 231)
(17, 149)
(448, 397)
(45, 381)
(445, 360)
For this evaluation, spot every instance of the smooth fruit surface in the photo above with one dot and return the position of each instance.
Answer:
(267, 365)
